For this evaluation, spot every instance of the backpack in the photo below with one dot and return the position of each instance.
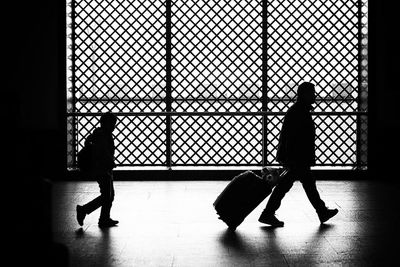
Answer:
(85, 155)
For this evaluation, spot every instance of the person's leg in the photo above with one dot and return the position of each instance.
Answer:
(274, 202)
(279, 193)
(93, 205)
(107, 194)
(82, 211)
(310, 187)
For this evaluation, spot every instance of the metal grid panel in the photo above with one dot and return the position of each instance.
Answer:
(216, 67)
(141, 141)
(216, 56)
(317, 41)
(119, 66)
(118, 53)
(119, 56)
(273, 130)
(313, 41)
(217, 140)
(336, 139)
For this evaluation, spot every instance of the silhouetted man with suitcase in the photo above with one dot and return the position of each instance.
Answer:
(296, 152)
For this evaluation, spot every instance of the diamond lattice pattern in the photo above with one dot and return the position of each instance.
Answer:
(217, 56)
(117, 63)
(316, 41)
(313, 41)
(120, 56)
(217, 140)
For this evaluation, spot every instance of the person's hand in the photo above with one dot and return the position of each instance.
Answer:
(273, 175)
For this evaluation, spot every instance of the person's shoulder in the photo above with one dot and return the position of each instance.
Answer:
(295, 113)
(292, 110)
(98, 133)
(298, 108)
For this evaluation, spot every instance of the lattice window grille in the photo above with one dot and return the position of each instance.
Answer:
(213, 112)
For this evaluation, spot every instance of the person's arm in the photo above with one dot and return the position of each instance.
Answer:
(283, 154)
(103, 151)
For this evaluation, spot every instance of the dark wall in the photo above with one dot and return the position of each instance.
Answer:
(32, 105)
(33, 92)
(384, 73)
(34, 87)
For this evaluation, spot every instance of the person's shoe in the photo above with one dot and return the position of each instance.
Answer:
(80, 214)
(270, 219)
(327, 214)
(107, 222)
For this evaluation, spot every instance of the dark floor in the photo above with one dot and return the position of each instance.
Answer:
(174, 224)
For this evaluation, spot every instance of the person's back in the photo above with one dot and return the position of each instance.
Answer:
(296, 141)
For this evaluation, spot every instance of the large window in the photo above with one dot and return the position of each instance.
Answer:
(207, 83)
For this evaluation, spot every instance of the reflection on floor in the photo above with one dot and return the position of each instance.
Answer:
(174, 224)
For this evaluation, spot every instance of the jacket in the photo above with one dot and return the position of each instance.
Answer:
(103, 150)
(296, 141)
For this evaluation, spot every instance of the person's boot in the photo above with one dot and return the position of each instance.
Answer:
(327, 214)
(80, 214)
(270, 219)
(107, 222)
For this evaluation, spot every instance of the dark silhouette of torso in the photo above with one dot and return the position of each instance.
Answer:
(103, 148)
(296, 141)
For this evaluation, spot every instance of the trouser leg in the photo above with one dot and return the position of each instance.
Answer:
(107, 194)
(93, 205)
(310, 187)
(279, 193)
(104, 200)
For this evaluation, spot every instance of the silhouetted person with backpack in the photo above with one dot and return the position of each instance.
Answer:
(296, 152)
(102, 170)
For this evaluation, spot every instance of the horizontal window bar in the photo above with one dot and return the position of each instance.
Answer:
(325, 99)
(260, 113)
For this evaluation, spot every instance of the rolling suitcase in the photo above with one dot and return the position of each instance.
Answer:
(244, 193)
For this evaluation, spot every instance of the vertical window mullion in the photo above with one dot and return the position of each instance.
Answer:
(168, 96)
(264, 84)
(73, 86)
(359, 85)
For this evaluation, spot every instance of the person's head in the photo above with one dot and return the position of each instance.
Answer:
(108, 121)
(306, 93)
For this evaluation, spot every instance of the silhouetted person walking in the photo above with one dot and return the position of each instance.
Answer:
(296, 151)
(102, 169)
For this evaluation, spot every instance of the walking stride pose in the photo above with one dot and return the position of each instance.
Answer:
(101, 168)
(296, 152)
